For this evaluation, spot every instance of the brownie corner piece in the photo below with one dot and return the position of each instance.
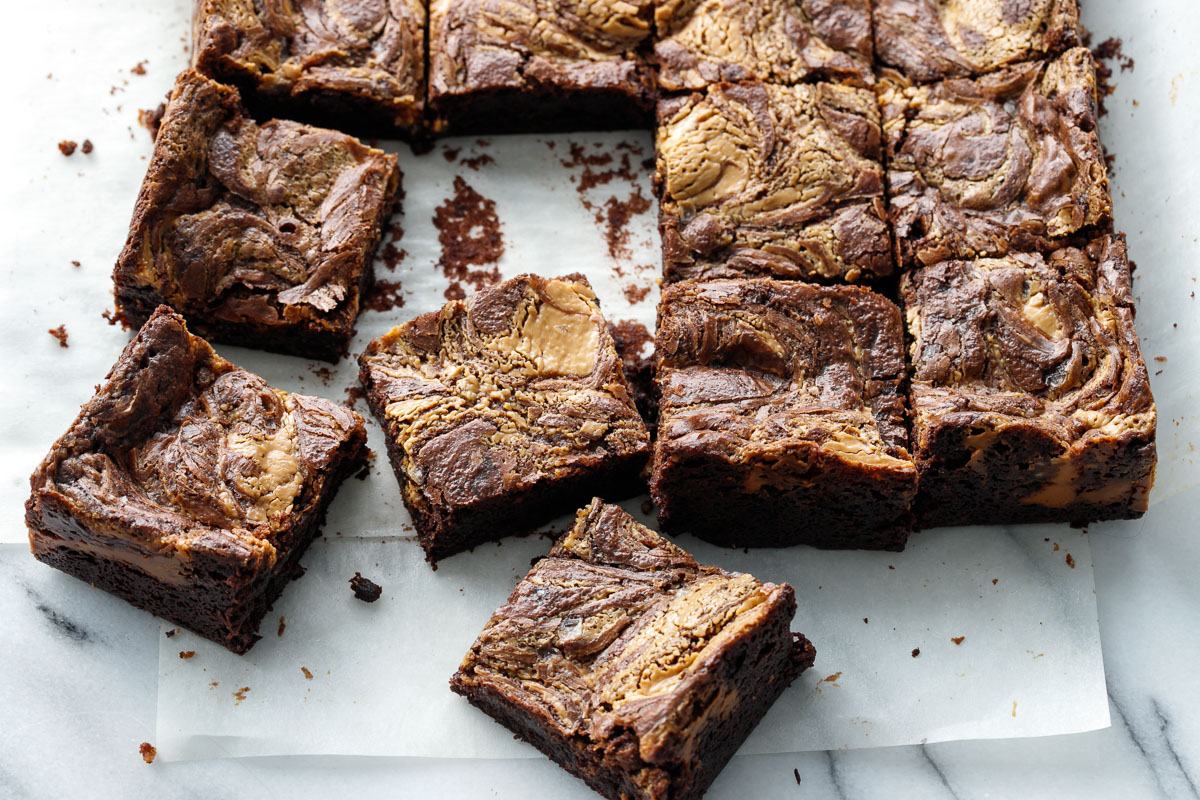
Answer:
(503, 410)
(781, 416)
(189, 487)
(260, 235)
(651, 670)
(1031, 401)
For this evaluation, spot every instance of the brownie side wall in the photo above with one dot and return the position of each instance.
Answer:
(540, 109)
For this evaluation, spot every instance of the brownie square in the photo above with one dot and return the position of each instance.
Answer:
(354, 66)
(260, 235)
(1030, 399)
(929, 40)
(702, 42)
(756, 179)
(630, 665)
(504, 410)
(498, 66)
(781, 416)
(1010, 162)
(189, 487)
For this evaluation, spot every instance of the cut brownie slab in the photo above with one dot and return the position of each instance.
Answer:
(702, 42)
(928, 40)
(189, 487)
(1030, 398)
(629, 664)
(513, 65)
(504, 410)
(1010, 162)
(260, 235)
(358, 65)
(778, 181)
(781, 416)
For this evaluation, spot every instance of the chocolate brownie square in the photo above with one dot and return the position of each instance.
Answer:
(1030, 399)
(929, 40)
(189, 487)
(260, 235)
(630, 665)
(781, 416)
(702, 42)
(755, 179)
(350, 65)
(500, 66)
(504, 410)
(1009, 162)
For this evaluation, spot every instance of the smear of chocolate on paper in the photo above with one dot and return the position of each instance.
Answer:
(469, 233)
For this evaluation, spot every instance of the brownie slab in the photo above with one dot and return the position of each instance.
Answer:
(781, 416)
(189, 487)
(929, 40)
(498, 66)
(702, 42)
(1009, 162)
(1030, 398)
(350, 65)
(260, 235)
(503, 411)
(629, 664)
(755, 180)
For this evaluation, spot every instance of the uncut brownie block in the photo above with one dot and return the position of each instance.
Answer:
(357, 65)
(260, 235)
(531, 65)
(702, 42)
(504, 411)
(928, 40)
(1030, 399)
(629, 664)
(189, 487)
(776, 181)
(781, 416)
(1007, 162)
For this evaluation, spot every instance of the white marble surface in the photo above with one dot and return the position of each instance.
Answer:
(78, 668)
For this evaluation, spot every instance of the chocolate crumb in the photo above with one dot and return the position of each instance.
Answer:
(1108, 50)
(186, 654)
(240, 695)
(451, 153)
(469, 233)
(958, 639)
(324, 373)
(67, 147)
(865, 621)
(151, 119)
(796, 773)
(282, 625)
(139, 68)
(87, 146)
(1070, 561)
(353, 395)
(478, 161)
(916, 652)
(74, 263)
(392, 255)
(384, 296)
(148, 752)
(116, 318)
(60, 333)
(307, 674)
(636, 294)
(995, 581)
(171, 633)
(365, 589)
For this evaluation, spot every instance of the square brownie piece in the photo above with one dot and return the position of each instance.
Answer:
(189, 487)
(755, 179)
(504, 410)
(260, 235)
(630, 665)
(1010, 162)
(1030, 399)
(498, 66)
(930, 40)
(781, 416)
(352, 65)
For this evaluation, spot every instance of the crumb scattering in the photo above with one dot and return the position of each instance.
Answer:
(469, 233)
(365, 589)
(240, 695)
(148, 752)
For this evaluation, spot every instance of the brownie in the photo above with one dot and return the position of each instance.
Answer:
(504, 410)
(929, 40)
(781, 416)
(260, 235)
(702, 42)
(1030, 399)
(755, 179)
(1009, 162)
(357, 65)
(629, 664)
(498, 66)
(188, 486)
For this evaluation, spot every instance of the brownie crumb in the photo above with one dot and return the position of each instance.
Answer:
(60, 333)
(617, 214)
(67, 147)
(240, 695)
(116, 318)
(384, 296)
(148, 752)
(365, 589)
(451, 153)
(87, 146)
(324, 373)
(186, 654)
(151, 119)
(1108, 50)
(1070, 561)
(958, 639)
(631, 339)
(865, 621)
(614, 214)
(353, 395)
(469, 233)
(307, 674)
(282, 625)
(476, 162)
(796, 773)
(75, 264)
(171, 633)
(392, 255)
(635, 294)
(916, 652)
(139, 68)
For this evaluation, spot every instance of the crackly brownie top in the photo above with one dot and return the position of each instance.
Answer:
(933, 39)
(700, 42)
(750, 367)
(369, 48)
(494, 44)
(1043, 341)
(518, 384)
(614, 631)
(254, 223)
(180, 449)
